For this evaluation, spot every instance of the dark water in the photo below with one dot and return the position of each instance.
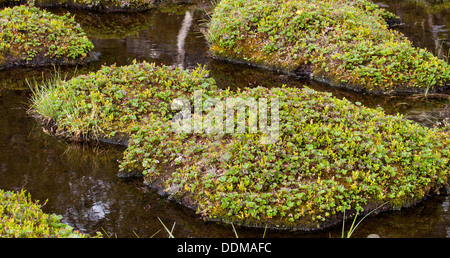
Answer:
(80, 181)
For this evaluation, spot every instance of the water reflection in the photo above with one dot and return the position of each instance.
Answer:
(446, 215)
(168, 39)
(187, 22)
(425, 23)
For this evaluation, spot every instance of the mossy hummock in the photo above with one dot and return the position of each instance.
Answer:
(114, 101)
(331, 156)
(20, 217)
(345, 43)
(33, 37)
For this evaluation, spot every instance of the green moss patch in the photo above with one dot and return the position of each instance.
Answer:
(331, 156)
(115, 101)
(346, 43)
(30, 36)
(20, 217)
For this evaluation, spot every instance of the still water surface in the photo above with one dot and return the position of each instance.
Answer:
(80, 181)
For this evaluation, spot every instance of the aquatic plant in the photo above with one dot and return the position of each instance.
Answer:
(20, 217)
(346, 43)
(353, 226)
(332, 155)
(30, 36)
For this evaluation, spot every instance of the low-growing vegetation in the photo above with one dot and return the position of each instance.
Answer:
(115, 101)
(21, 217)
(331, 155)
(31, 36)
(346, 43)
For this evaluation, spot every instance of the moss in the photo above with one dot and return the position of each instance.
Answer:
(115, 101)
(30, 36)
(331, 156)
(346, 43)
(23, 218)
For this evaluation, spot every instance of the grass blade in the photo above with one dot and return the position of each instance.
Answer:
(343, 225)
(352, 229)
(234, 230)
(170, 233)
